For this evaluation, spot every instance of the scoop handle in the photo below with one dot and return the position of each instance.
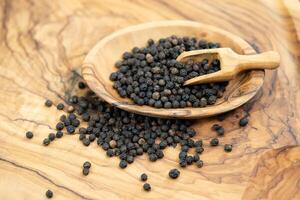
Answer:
(266, 60)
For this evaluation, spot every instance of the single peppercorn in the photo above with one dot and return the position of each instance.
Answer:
(48, 103)
(86, 142)
(86, 164)
(60, 106)
(29, 134)
(144, 177)
(49, 194)
(243, 121)
(174, 173)
(215, 127)
(46, 141)
(59, 134)
(228, 147)
(214, 142)
(60, 126)
(147, 187)
(51, 136)
(81, 85)
(110, 153)
(70, 129)
(123, 164)
(199, 163)
(220, 131)
(81, 136)
(85, 171)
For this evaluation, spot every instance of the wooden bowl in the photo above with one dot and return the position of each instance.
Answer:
(100, 63)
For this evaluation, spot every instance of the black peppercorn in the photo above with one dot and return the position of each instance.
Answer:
(70, 129)
(59, 134)
(60, 106)
(86, 142)
(123, 164)
(144, 177)
(199, 150)
(174, 173)
(243, 121)
(81, 136)
(72, 116)
(85, 171)
(153, 157)
(29, 134)
(49, 194)
(214, 142)
(48, 103)
(228, 147)
(147, 187)
(60, 126)
(81, 85)
(51, 136)
(75, 122)
(87, 164)
(183, 163)
(199, 163)
(220, 131)
(110, 153)
(189, 160)
(46, 141)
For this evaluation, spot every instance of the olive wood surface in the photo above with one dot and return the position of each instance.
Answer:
(100, 63)
(43, 44)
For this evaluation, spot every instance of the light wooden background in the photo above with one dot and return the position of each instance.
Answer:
(42, 44)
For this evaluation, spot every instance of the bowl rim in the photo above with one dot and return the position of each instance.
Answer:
(89, 74)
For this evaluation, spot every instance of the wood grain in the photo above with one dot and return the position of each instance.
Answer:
(43, 44)
(101, 59)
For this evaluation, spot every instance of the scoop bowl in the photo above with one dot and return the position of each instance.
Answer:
(100, 63)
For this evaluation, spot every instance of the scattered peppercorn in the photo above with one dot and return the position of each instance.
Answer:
(60, 106)
(87, 164)
(243, 121)
(220, 131)
(70, 129)
(144, 177)
(51, 136)
(147, 187)
(81, 85)
(48, 103)
(49, 194)
(174, 173)
(228, 147)
(214, 142)
(123, 164)
(29, 134)
(46, 141)
(59, 134)
(85, 171)
(199, 163)
(60, 126)
(86, 142)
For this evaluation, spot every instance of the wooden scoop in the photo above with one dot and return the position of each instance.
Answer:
(231, 63)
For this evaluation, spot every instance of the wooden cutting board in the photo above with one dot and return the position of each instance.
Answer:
(42, 46)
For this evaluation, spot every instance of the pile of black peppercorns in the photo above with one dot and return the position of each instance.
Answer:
(127, 135)
(151, 75)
